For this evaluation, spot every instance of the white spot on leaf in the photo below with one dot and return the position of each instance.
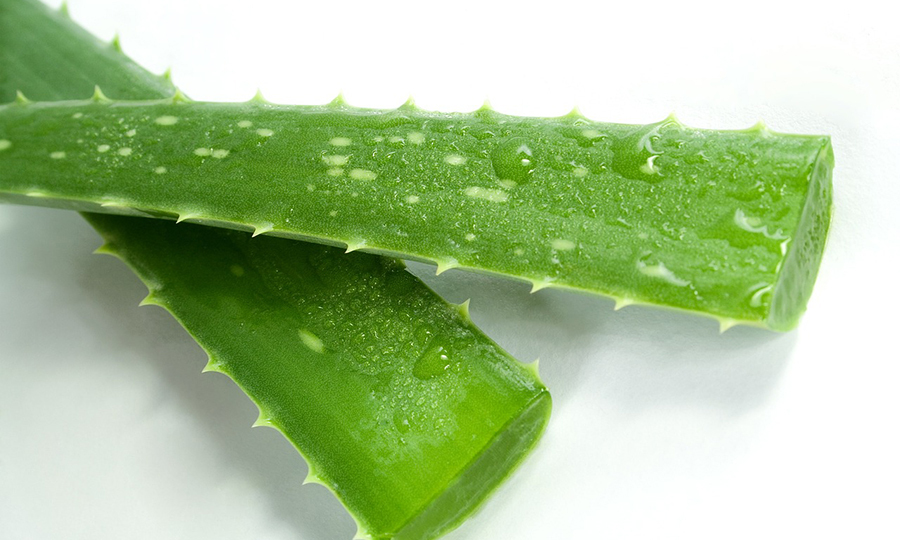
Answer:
(124, 151)
(336, 160)
(103, 148)
(340, 141)
(415, 138)
(562, 244)
(454, 159)
(4, 144)
(166, 120)
(312, 341)
(57, 155)
(244, 124)
(362, 174)
(264, 132)
(160, 170)
(660, 271)
(488, 194)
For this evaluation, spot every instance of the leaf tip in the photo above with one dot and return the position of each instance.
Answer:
(150, 300)
(408, 105)
(537, 285)
(262, 228)
(180, 97)
(361, 533)
(212, 365)
(21, 99)
(575, 114)
(64, 9)
(622, 303)
(99, 96)
(263, 420)
(185, 216)
(313, 478)
(355, 246)
(672, 119)
(463, 310)
(116, 43)
(258, 98)
(107, 249)
(534, 369)
(444, 265)
(726, 324)
(338, 102)
(760, 128)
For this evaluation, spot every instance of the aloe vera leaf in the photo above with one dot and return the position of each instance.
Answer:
(292, 322)
(726, 223)
(400, 405)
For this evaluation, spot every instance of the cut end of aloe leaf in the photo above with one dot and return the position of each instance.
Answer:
(793, 288)
(486, 472)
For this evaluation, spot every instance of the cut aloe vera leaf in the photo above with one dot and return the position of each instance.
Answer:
(272, 315)
(407, 412)
(726, 223)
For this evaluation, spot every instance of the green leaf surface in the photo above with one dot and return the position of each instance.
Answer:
(725, 223)
(402, 408)
(407, 412)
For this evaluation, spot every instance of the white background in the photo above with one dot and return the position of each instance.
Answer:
(661, 428)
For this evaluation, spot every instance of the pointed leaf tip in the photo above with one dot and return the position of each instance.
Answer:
(338, 101)
(262, 421)
(408, 105)
(262, 229)
(672, 119)
(167, 74)
(355, 246)
(538, 285)
(107, 249)
(116, 43)
(575, 113)
(443, 266)
(64, 10)
(622, 302)
(259, 98)
(180, 97)
(313, 478)
(149, 300)
(185, 217)
(727, 324)
(99, 96)
(212, 365)
(463, 309)
(21, 99)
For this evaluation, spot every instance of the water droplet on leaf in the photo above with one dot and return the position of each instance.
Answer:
(514, 160)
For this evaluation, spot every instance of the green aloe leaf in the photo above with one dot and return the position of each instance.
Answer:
(403, 409)
(725, 223)
(401, 406)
